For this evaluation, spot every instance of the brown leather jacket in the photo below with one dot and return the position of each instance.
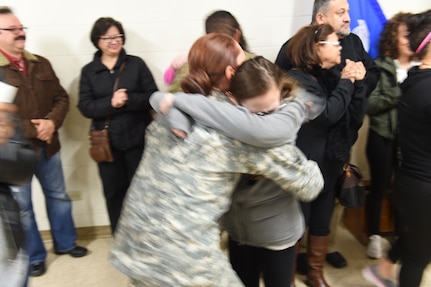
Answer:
(40, 96)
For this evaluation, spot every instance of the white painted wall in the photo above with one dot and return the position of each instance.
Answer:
(157, 31)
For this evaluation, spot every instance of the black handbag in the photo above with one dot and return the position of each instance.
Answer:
(350, 189)
(17, 159)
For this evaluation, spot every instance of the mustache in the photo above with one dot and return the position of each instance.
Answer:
(21, 37)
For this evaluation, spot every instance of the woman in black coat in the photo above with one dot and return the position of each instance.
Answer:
(126, 110)
(314, 50)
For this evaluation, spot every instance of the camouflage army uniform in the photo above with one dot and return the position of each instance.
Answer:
(168, 233)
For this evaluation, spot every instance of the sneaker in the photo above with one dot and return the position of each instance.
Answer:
(371, 275)
(374, 248)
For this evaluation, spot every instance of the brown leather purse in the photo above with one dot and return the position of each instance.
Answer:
(100, 147)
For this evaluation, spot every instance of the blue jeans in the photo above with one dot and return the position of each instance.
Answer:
(59, 209)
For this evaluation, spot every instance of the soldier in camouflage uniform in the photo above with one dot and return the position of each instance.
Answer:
(168, 233)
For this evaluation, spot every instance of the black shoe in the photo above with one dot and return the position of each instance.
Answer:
(302, 263)
(37, 269)
(336, 259)
(77, 251)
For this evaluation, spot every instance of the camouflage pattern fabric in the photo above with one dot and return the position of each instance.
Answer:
(168, 233)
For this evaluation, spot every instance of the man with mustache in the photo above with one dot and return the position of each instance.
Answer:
(42, 107)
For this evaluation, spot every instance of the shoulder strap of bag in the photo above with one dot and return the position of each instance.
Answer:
(117, 80)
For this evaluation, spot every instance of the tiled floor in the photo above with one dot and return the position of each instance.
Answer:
(94, 270)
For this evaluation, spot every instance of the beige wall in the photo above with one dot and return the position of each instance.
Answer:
(157, 31)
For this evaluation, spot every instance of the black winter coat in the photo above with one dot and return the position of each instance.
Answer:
(344, 132)
(126, 124)
(314, 137)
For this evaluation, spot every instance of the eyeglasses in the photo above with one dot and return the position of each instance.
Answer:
(111, 38)
(333, 43)
(271, 111)
(15, 30)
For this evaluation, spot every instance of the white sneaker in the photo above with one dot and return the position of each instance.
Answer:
(374, 248)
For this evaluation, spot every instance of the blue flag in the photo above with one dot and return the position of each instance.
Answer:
(367, 21)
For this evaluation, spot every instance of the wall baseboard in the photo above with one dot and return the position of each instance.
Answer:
(84, 233)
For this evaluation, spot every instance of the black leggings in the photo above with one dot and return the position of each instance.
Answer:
(250, 262)
(381, 154)
(116, 177)
(318, 212)
(412, 199)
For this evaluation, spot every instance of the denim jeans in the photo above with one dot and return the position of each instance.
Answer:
(49, 172)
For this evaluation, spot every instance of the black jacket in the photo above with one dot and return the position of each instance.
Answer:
(344, 132)
(126, 124)
(314, 137)
(414, 117)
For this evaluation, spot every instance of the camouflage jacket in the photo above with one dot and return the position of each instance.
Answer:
(168, 233)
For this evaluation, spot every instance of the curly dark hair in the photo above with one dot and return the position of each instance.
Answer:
(388, 43)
